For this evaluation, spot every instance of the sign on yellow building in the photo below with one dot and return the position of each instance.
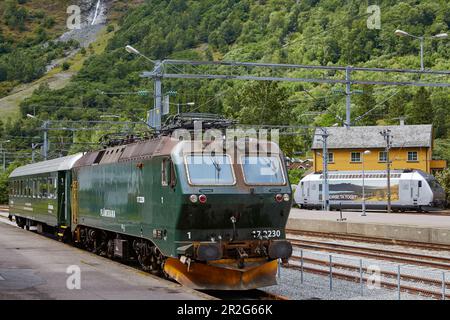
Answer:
(412, 148)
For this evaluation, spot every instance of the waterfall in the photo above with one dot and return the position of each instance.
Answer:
(96, 12)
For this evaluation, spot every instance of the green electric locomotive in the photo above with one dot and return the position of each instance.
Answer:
(206, 216)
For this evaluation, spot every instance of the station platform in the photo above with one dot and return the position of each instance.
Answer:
(35, 267)
(427, 228)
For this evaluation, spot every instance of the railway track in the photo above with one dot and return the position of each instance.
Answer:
(256, 294)
(364, 239)
(377, 254)
(386, 274)
(383, 284)
(433, 287)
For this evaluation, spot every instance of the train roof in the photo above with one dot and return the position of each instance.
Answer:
(369, 174)
(162, 146)
(54, 165)
(138, 150)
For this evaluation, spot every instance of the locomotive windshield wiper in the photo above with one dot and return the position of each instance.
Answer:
(271, 164)
(218, 168)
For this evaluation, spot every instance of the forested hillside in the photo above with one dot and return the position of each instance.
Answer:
(24, 26)
(315, 32)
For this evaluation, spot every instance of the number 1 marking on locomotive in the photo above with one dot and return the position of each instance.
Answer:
(189, 235)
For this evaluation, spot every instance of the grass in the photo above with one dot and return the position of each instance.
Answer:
(56, 78)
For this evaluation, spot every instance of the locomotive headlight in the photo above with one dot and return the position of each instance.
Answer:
(279, 197)
(286, 197)
(193, 198)
(202, 198)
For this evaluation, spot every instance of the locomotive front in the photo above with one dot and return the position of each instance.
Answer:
(230, 231)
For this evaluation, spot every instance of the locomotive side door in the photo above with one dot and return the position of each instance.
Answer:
(74, 202)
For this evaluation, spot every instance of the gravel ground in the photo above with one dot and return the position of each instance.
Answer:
(316, 287)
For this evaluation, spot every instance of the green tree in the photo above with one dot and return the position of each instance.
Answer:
(420, 110)
(365, 103)
(15, 16)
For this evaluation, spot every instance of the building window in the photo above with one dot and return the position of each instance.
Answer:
(356, 157)
(382, 156)
(412, 156)
(330, 157)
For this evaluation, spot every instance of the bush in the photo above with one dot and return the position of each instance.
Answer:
(443, 178)
(49, 22)
(110, 28)
(295, 175)
(66, 66)
(15, 16)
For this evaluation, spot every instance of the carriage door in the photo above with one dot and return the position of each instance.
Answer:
(61, 197)
(415, 190)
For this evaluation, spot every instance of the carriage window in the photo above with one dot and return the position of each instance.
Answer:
(263, 170)
(28, 188)
(209, 170)
(34, 188)
(434, 185)
(44, 188)
(51, 188)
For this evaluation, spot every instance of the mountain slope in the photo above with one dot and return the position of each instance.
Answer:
(319, 32)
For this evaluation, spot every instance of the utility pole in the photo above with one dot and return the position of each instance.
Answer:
(33, 146)
(421, 53)
(386, 133)
(45, 147)
(348, 97)
(4, 154)
(325, 188)
(158, 95)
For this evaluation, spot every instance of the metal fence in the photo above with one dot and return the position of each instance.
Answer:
(370, 274)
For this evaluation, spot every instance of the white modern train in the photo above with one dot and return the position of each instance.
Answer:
(410, 190)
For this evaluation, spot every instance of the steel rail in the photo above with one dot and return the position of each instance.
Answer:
(388, 274)
(375, 256)
(359, 238)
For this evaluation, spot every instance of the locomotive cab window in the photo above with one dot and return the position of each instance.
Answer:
(259, 170)
(165, 172)
(209, 170)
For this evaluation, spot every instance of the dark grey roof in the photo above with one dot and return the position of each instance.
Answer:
(59, 164)
(369, 137)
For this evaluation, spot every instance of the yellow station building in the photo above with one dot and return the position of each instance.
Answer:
(412, 148)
